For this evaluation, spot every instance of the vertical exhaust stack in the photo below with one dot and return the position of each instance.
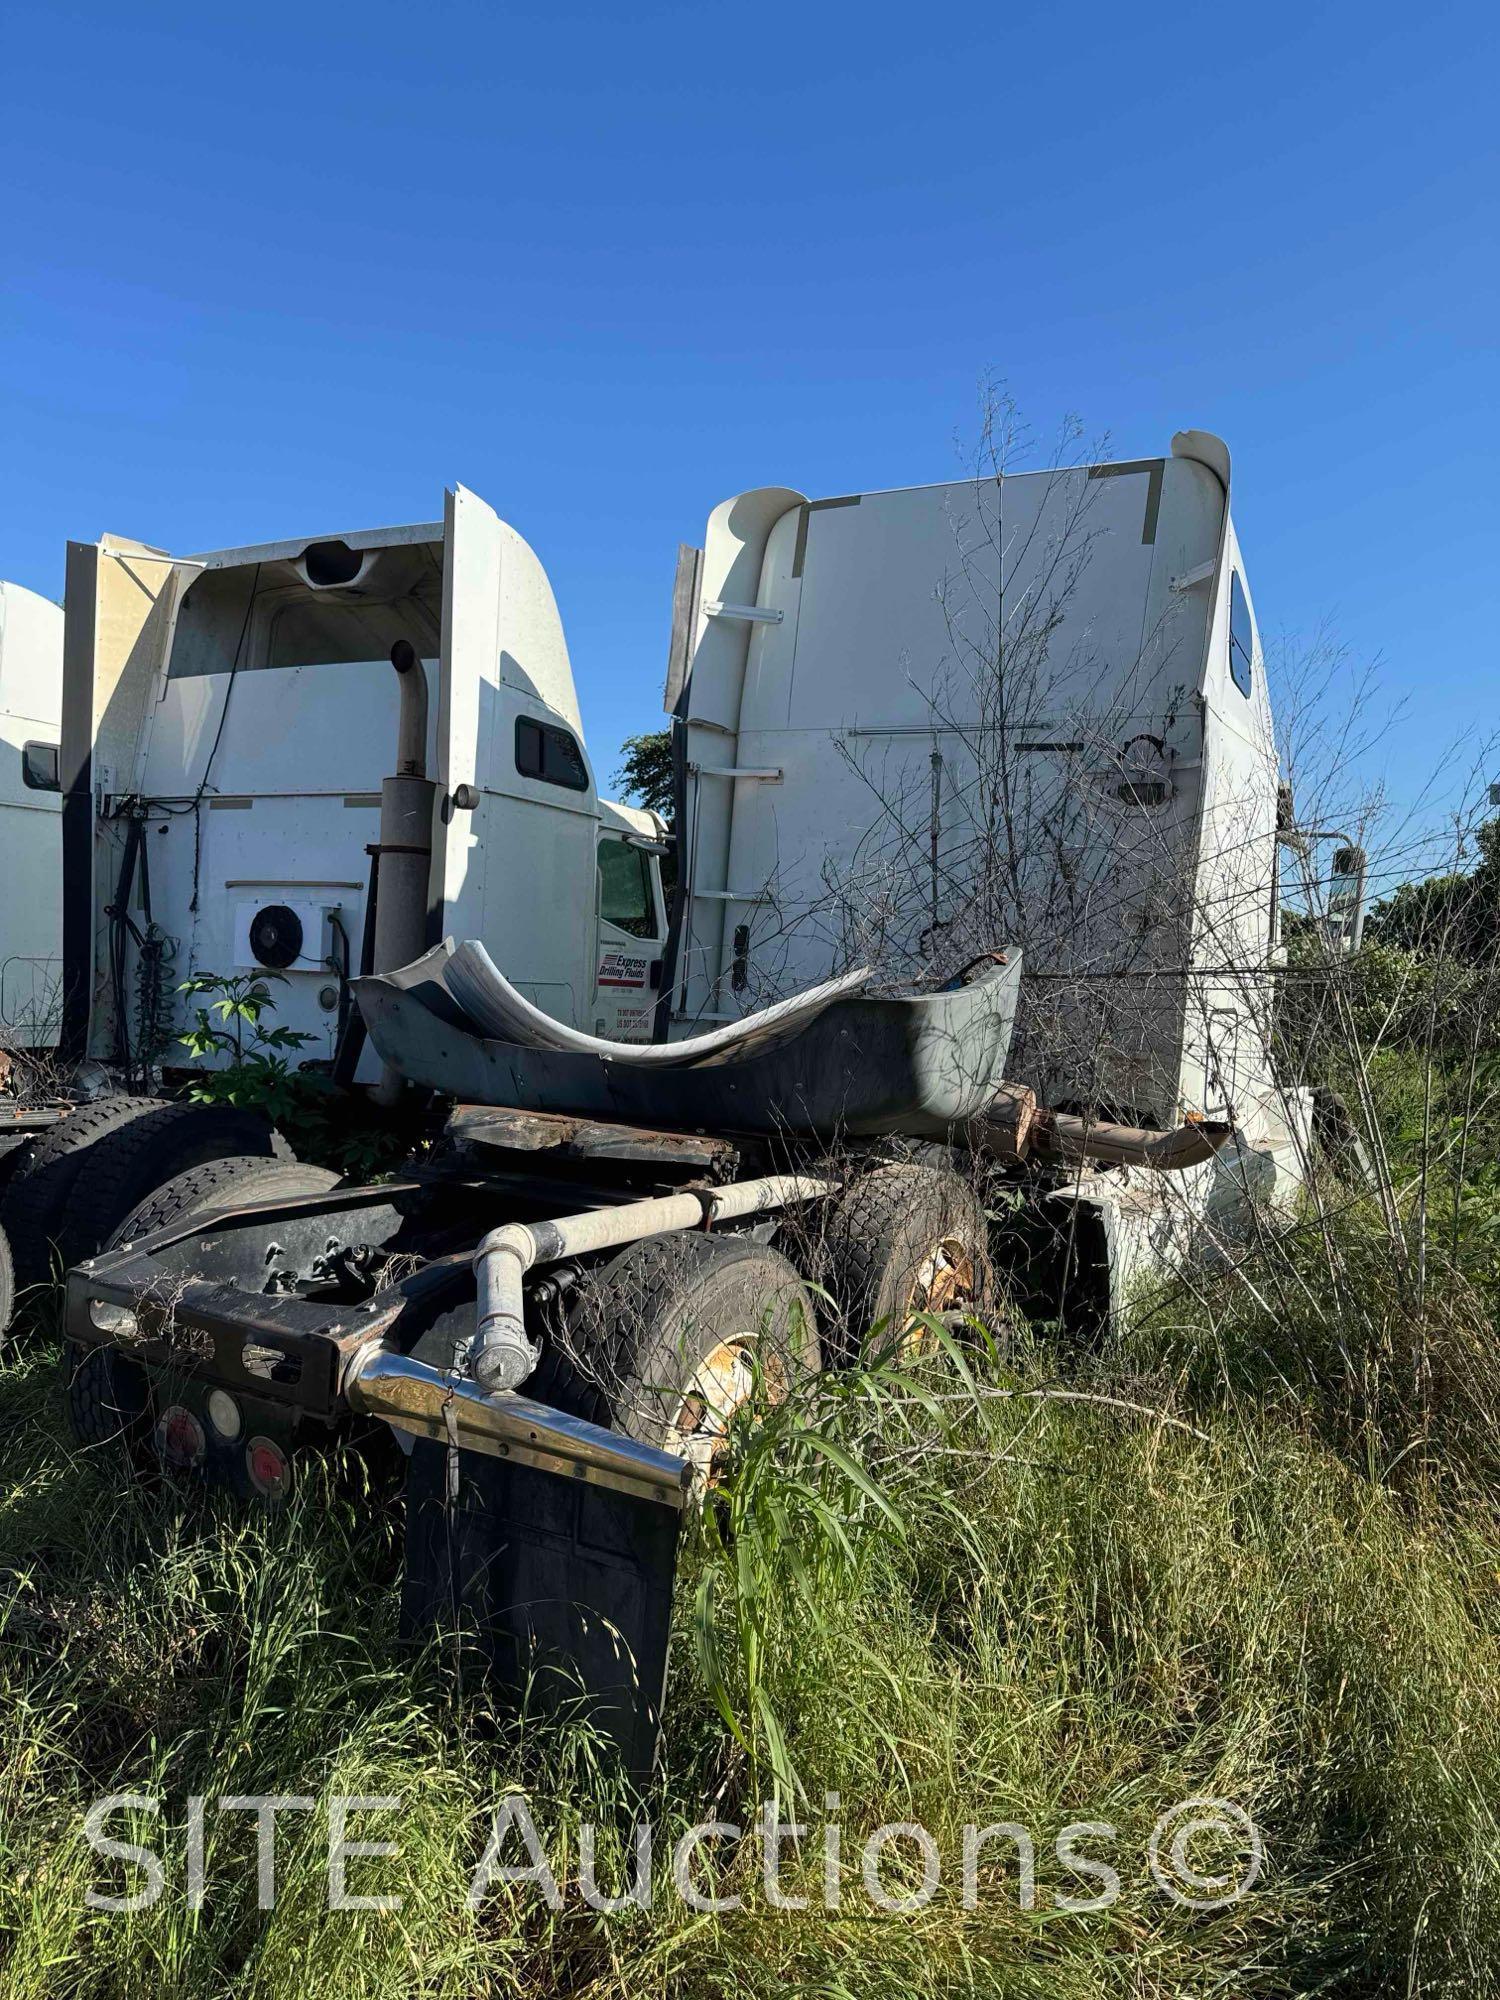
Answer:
(405, 860)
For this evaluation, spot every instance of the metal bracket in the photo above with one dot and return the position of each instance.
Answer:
(770, 772)
(744, 614)
(1193, 577)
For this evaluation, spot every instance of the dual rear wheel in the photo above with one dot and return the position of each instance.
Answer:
(69, 1188)
(680, 1332)
(677, 1333)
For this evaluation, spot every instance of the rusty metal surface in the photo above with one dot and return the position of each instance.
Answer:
(518, 1131)
(1065, 1136)
(1007, 1126)
(34, 1118)
(285, 1350)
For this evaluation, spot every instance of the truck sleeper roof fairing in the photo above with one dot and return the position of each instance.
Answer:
(850, 674)
(359, 539)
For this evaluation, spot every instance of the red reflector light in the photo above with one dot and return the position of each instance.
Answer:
(267, 1465)
(179, 1437)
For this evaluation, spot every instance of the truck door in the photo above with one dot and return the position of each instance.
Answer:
(30, 807)
(632, 933)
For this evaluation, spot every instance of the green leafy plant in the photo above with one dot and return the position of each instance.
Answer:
(326, 1126)
(233, 1024)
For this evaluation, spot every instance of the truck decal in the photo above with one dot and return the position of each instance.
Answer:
(618, 968)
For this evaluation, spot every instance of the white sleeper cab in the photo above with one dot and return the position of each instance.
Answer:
(1022, 711)
(234, 723)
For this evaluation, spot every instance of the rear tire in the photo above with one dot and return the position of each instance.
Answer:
(108, 1394)
(223, 1183)
(127, 1166)
(667, 1342)
(902, 1240)
(39, 1183)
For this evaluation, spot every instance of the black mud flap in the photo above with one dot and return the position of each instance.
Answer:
(562, 1588)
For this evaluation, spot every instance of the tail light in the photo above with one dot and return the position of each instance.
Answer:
(267, 1466)
(179, 1437)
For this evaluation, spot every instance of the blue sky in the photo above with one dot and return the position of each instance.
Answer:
(298, 268)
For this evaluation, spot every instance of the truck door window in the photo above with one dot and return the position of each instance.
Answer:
(1241, 636)
(543, 751)
(625, 898)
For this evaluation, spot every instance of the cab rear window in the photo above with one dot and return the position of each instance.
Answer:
(39, 767)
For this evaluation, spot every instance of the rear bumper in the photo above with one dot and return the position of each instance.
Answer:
(282, 1351)
(416, 1398)
(309, 1360)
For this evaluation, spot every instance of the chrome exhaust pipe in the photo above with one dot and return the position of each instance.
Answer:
(414, 1397)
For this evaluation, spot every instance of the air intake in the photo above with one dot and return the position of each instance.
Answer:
(334, 565)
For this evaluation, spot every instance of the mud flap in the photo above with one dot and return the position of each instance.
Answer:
(562, 1589)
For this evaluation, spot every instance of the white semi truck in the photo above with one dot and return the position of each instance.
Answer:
(249, 787)
(912, 726)
(1006, 742)
(1021, 710)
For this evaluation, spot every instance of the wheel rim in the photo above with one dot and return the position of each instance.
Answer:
(943, 1281)
(721, 1386)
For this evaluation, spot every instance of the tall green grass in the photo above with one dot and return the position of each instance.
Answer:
(943, 1609)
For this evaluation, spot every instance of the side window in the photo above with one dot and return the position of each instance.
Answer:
(39, 767)
(1241, 636)
(546, 752)
(625, 898)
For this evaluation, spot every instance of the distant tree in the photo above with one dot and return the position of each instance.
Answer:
(644, 775)
(1453, 913)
